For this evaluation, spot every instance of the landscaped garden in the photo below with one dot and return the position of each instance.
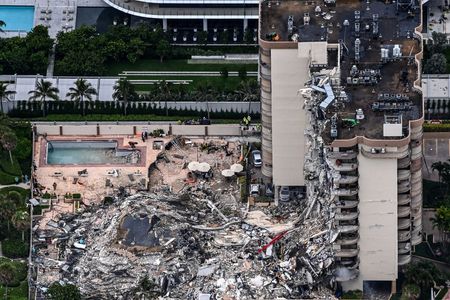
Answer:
(13, 283)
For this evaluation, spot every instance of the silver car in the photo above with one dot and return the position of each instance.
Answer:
(257, 160)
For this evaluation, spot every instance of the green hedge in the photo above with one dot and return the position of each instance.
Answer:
(445, 127)
(15, 249)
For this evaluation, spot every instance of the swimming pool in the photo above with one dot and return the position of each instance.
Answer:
(89, 153)
(17, 18)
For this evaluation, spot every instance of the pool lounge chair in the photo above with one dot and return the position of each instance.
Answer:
(57, 174)
(131, 177)
(108, 182)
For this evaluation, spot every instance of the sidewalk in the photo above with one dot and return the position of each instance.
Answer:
(21, 185)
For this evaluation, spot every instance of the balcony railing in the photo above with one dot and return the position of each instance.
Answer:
(345, 192)
(403, 223)
(346, 252)
(346, 203)
(404, 199)
(403, 211)
(343, 216)
(342, 155)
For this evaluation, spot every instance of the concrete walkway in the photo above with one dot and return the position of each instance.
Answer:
(21, 185)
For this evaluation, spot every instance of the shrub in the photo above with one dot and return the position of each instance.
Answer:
(15, 248)
(20, 270)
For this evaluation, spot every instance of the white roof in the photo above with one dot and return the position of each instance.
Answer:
(436, 86)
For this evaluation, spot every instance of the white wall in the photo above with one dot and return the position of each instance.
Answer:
(378, 245)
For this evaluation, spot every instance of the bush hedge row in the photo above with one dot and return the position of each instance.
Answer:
(32, 109)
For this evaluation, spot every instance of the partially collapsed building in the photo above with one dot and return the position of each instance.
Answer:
(341, 100)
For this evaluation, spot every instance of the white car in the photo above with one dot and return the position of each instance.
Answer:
(284, 193)
(257, 160)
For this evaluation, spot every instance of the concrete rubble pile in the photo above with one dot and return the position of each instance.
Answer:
(200, 242)
(200, 249)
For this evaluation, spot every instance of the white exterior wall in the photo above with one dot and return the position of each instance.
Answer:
(289, 73)
(378, 245)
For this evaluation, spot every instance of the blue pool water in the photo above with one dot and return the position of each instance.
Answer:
(17, 18)
(88, 152)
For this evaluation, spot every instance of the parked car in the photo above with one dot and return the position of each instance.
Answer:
(285, 195)
(256, 156)
(254, 190)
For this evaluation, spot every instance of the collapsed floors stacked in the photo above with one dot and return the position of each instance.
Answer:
(340, 92)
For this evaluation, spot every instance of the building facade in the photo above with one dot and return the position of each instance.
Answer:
(348, 74)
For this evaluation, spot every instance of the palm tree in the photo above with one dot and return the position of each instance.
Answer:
(7, 209)
(7, 275)
(443, 169)
(164, 89)
(4, 93)
(83, 89)
(441, 221)
(8, 140)
(21, 220)
(249, 91)
(44, 90)
(123, 90)
(2, 24)
(206, 93)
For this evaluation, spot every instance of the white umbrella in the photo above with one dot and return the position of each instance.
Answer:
(203, 167)
(228, 173)
(237, 168)
(193, 165)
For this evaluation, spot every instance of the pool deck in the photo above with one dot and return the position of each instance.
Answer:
(93, 187)
(58, 19)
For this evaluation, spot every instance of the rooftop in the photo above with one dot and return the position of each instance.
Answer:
(377, 68)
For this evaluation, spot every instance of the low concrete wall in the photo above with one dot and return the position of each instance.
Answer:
(129, 128)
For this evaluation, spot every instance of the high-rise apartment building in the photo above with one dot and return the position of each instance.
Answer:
(347, 72)
(194, 10)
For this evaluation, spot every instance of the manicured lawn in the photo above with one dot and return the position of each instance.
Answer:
(16, 293)
(8, 171)
(173, 65)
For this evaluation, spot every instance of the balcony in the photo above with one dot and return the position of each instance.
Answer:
(416, 133)
(346, 216)
(345, 192)
(404, 235)
(403, 223)
(346, 252)
(347, 203)
(416, 239)
(416, 202)
(404, 248)
(416, 153)
(403, 187)
(417, 222)
(403, 162)
(338, 165)
(342, 155)
(404, 259)
(403, 211)
(383, 153)
(416, 190)
(416, 212)
(404, 199)
(347, 240)
(347, 228)
(345, 179)
(403, 175)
